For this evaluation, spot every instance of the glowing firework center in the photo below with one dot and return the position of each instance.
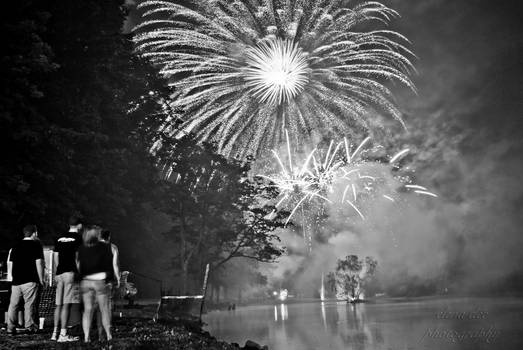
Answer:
(277, 70)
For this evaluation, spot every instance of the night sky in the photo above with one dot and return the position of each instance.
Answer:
(465, 133)
(466, 127)
(469, 64)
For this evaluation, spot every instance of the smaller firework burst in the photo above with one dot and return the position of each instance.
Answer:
(314, 180)
(295, 183)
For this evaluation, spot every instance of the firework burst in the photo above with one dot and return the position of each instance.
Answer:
(316, 178)
(276, 71)
(296, 184)
(246, 70)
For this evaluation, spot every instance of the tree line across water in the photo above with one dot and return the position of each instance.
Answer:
(79, 116)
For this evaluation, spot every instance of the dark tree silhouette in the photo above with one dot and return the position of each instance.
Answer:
(77, 113)
(217, 212)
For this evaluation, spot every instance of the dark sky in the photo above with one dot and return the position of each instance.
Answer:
(470, 100)
(466, 136)
(466, 133)
(469, 56)
(470, 64)
(467, 130)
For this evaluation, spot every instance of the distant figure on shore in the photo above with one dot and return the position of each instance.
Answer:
(28, 267)
(95, 263)
(67, 286)
(127, 289)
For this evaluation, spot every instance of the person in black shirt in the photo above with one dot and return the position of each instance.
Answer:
(67, 287)
(28, 262)
(95, 264)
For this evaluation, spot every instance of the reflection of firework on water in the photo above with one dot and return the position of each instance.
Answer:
(315, 178)
(245, 70)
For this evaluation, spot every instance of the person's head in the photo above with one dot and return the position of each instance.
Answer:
(75, 222)
(105, 235)
(91, 235)
(30, 231)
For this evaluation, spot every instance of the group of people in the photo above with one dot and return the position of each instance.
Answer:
(86, 267)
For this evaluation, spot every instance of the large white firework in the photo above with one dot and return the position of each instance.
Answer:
(246, 70)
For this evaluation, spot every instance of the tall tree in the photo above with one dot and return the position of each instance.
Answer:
(27, 60)
(217, 212)
(77, 115)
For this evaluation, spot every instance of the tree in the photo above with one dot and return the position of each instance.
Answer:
(240, 275)
(217, 212)
(76, 118)
(251, 232)
(330, 284)
(351, 276)
(27, 60)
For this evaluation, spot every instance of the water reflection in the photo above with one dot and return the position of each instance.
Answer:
(338, 325)
(323, 317)
(360, 333)
(284, 312)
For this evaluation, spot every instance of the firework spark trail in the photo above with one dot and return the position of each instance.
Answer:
(245, 70)
(426, 193)
(398, 155)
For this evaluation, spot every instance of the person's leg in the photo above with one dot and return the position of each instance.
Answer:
(12, 311)
(59, 305)
(88, 299)
(38, 299)
(110, 301)
(64, 316)
(66, 279)
(99, 324)
(29, 293)
(57, 313)
(21, 322)
(74, 322)
(102, 296)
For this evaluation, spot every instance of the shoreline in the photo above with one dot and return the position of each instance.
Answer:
(136, 330)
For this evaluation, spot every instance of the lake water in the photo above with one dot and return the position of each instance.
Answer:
(434, 324)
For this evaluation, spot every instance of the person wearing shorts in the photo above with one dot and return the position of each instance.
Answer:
(95, 264)
(67, 287)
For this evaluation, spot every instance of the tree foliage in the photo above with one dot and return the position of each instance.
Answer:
(79, 116)
(351, 276)
(75, 114)
(217, 212)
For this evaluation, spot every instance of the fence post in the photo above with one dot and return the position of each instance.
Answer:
(204, 292)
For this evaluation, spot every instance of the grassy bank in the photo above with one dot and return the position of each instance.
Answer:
(134, 330)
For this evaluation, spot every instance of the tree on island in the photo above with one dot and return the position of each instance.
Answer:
(351, 276)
